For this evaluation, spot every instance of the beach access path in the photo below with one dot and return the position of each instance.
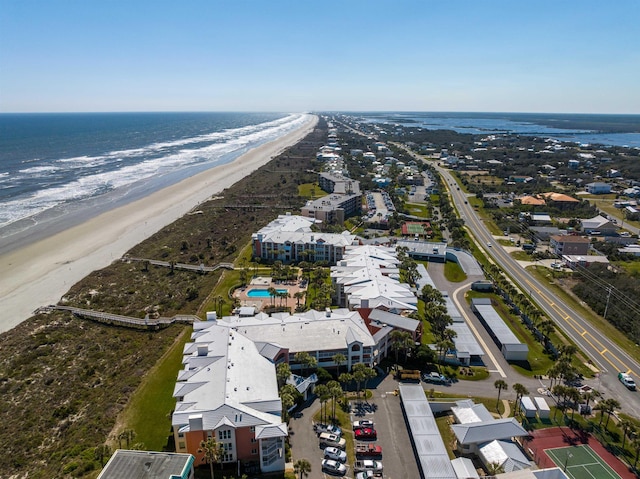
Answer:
(39, 274)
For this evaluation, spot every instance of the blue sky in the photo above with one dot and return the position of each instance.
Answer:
(240, 55)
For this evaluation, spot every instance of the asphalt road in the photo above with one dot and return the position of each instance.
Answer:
(606, 355)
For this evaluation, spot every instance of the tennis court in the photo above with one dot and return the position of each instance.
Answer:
(415, 228)
(581, 462)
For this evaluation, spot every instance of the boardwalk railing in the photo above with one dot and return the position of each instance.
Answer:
(201, 268)
(120, 320)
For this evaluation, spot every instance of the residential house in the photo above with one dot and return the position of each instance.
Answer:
(598, 188)
(569, 244)
(598, 224)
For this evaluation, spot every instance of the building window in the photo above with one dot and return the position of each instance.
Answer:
(227, 458)
(226, 434)
(254, 451)
(253, 440)
(181, 445)
(252, 429)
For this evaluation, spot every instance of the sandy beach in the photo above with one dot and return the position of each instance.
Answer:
(41, 273)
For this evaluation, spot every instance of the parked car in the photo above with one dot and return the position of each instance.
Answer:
(368, 475)
(627, 380)
(434, 378)
(326, 439)
(335, 454)
(333, 467)
(365, 433)
(319, 428)
(367, 465)
(362, 423)
(368, 451)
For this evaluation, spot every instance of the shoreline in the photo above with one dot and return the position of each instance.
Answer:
(40, 273)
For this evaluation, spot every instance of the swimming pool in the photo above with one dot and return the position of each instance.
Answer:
(262, 293)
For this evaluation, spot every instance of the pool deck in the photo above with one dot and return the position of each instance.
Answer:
(265, 282)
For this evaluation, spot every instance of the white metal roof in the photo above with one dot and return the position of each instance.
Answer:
(494, 322)
(308, 331)
(432, 454)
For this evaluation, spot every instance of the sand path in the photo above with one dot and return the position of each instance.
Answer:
(40, 273)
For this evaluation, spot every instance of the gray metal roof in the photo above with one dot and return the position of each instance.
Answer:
(125, 464)
(465, 341)
(495, 323)
(394, 320)
(429, 448)
(424, 279)
(477, 432)
(452, 310)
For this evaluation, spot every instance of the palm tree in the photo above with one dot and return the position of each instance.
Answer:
(339, 359)
(272, 294)
(283, 371)
(546, 328)
(500, 385)
(607, 406)
(212, 451)
(494, 468)
(302, 467)
(520, 392)
(635, 445)
(101, 453)
(335, 392)
(322, 391)
(593, 394)
(627, 428)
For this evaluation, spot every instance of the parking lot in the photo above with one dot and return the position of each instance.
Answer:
(385, 411)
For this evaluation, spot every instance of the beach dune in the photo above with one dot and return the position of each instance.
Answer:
(40, 273)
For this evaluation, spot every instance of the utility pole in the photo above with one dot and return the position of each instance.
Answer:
(606, 308)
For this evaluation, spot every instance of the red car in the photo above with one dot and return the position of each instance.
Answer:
(365, 433)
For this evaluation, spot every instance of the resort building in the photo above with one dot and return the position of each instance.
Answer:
(322, 334)
(334, 208)
(332, 183)
(368, 277)
(598, 188)
(228, 390)
(289, 238)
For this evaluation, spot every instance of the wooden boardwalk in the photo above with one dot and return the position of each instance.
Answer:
(119, 320)
(201, 268)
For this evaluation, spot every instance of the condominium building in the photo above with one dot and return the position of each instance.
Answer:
(228, 390)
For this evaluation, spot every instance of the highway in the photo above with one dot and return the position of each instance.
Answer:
(606, 355)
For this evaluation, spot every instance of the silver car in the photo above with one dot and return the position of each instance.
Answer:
(333, 467)
(335, 454)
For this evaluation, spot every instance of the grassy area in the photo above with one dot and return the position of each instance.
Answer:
(149, 411)
(548, 277)
(453, 272)
(521, 256)
(539, 362)
(310, 190)
(631, 267)
(418, 209)
(448, 437)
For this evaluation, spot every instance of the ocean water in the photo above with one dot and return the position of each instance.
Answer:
(607, 130)
(57, 166)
